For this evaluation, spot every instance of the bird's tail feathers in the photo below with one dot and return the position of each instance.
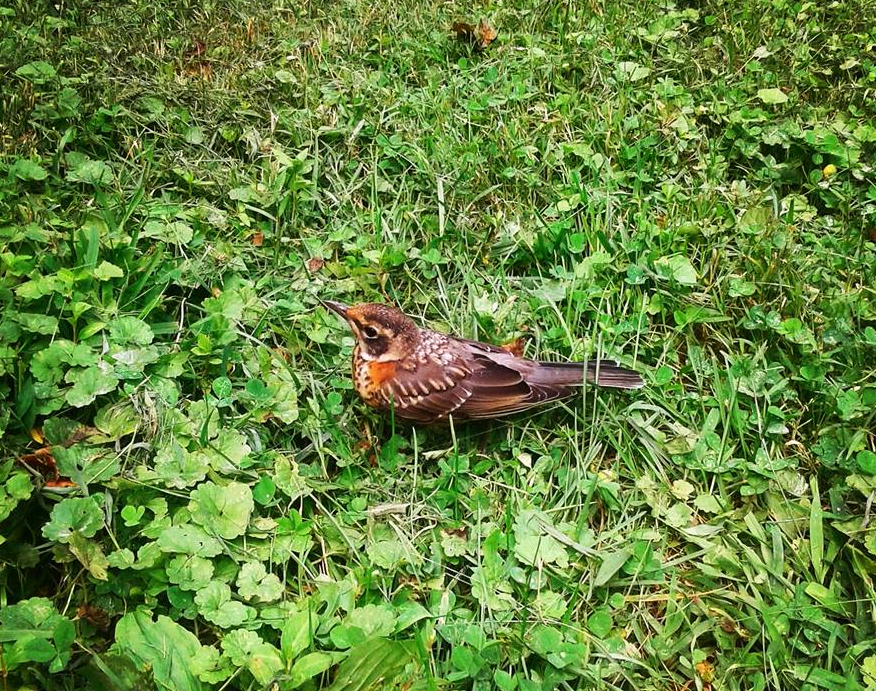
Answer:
(602, 372)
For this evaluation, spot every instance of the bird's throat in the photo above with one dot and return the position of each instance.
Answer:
(380, 372)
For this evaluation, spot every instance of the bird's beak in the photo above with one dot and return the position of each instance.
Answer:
(338, 307)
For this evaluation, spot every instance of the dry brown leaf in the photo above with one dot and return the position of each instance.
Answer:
(314, 265)
(43, 462)
(95, 616)
(486, 34)
(481, 35)
(257, 239)
(706, 671)
(196, 50)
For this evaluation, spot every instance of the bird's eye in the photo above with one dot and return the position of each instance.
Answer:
(369, 332)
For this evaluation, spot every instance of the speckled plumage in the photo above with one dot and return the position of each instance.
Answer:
(426, 376)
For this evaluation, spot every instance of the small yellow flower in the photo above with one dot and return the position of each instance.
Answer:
(828, 170)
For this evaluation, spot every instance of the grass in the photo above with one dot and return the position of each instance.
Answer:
(193, 497)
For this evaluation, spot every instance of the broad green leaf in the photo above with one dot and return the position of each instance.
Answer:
(550, 291)
(222, 387)
(545, 639)
(631, 71)
(210, 666)
(25, 169)
(46, 365)
(90, 555)
(189, 539)
(82, 515)
(388, 553)
(611, 564)
(223, 510)
(130, 330)
(106, 271)
(677, 267)
(772, 96)
(453, 545)
(33, 631)
(868, 670)
(374, 665)
(866, 461)
(164, 645)
(797, 332)
(374, 620)
(38, 323)
(176, 467)
(88, 384)
(189, 572)
(204, 417)
(492, 592)
(38, 71)
(707, 503)
(600, 623)
(174, 232)
(130, 363)
(17, 487)
(85, 464)
(297, 635)
(227, 452)
(284, 398)
(679, 515)
(310, 665)
(287, 479)
(264, 490)
(91, 172)
(504, 681)
(121, 558)
(247, 649)
(117, 420)
(533, 543)
(255, 583)
(216, 606)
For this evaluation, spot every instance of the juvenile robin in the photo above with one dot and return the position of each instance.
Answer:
(426, 376)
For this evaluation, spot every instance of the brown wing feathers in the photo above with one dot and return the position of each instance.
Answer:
(483, 383)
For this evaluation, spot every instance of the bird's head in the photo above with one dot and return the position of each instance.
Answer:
(383, 332)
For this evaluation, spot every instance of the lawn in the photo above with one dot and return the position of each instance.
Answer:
(193, 497)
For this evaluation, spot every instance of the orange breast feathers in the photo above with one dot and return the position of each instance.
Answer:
(370, 378)
(380, 372)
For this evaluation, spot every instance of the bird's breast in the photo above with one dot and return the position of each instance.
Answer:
(370, 378)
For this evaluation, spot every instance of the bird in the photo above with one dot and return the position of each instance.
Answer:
(425, 376)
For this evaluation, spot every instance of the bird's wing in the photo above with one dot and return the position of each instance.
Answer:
(502, 383)
(431, 391)
(467, 379)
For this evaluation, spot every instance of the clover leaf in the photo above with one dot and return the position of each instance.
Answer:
(247, 649)
(33, 631)
(215, 605)
(255, 583)
(222, 509)
(80, 515)
(176, 467)
(190, 573)
(189, 539)
(88, 384)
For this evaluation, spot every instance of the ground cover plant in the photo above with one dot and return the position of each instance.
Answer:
(191, 495)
